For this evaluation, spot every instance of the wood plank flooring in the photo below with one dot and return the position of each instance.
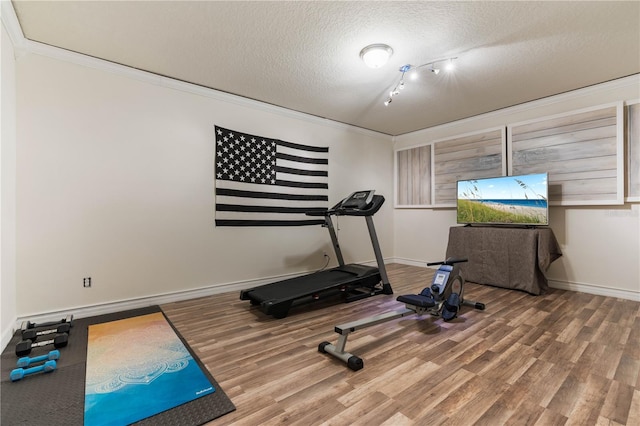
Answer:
(564, 358)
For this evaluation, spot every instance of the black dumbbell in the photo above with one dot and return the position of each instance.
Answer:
(28, 324)
(33, 334)
(24, 347)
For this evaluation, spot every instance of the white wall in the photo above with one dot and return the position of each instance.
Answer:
(601, 248)
(116, 182)
(7, 187)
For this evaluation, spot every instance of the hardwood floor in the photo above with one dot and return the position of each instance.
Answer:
(564, 358)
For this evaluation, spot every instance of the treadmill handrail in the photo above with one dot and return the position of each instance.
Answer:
(370, 210)
(320, 212)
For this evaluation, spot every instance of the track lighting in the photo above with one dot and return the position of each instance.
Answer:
(414, 74)
(449, 66)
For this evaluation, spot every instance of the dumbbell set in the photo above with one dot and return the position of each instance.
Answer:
(28, 324)
(19, 373)
(33, 334)
(26, 361)
(24, 347)
(54, 333)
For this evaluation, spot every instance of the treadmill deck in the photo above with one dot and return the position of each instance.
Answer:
(278, 296)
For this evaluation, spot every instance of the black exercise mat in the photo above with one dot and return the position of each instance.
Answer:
(57, 398)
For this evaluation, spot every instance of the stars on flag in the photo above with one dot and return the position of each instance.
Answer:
(245, 159)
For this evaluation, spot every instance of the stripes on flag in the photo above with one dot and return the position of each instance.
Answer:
(268, 182)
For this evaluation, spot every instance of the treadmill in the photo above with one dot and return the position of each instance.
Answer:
(352, 281)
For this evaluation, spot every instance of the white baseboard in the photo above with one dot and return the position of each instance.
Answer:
(122, 305)
(107, 308)
(411, 262)
(7, 334)
(595, 289)
(116, 306)
(562, 285)
(159, 299)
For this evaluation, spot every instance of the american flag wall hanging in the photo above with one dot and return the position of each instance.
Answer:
(268, 182)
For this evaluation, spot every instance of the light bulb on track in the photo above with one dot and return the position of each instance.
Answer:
(413, 73)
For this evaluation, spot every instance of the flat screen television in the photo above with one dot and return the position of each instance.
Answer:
(505, 200)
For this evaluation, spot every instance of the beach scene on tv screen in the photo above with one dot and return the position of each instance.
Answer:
(506, 199)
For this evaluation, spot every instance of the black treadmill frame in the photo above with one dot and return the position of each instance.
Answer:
(352, 281)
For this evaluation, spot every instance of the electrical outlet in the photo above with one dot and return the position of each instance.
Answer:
(86, 282)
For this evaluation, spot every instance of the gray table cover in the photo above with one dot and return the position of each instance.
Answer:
(515, 258)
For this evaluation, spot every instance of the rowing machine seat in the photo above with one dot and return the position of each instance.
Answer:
(422, 300)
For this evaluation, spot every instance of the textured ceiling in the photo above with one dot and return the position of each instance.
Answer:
(304, 56)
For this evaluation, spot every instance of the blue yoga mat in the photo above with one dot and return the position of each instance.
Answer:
(138, 367)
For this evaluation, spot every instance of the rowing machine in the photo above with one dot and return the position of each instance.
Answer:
(443, 298)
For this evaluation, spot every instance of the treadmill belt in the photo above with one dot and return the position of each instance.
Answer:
(305, 285)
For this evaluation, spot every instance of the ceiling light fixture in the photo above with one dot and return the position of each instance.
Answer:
(414, 74)
(376, 55)
(449, 66)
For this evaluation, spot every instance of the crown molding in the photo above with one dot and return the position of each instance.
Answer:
(11, 24)
(632, 81)
(57, 53)
(23, 45)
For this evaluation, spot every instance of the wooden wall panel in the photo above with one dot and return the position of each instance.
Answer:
(581, 151)
(413, 176)
(584, 153)
(471, 156)
(633, 152)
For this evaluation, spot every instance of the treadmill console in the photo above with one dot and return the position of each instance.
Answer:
(360, 203)
(359, 200)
